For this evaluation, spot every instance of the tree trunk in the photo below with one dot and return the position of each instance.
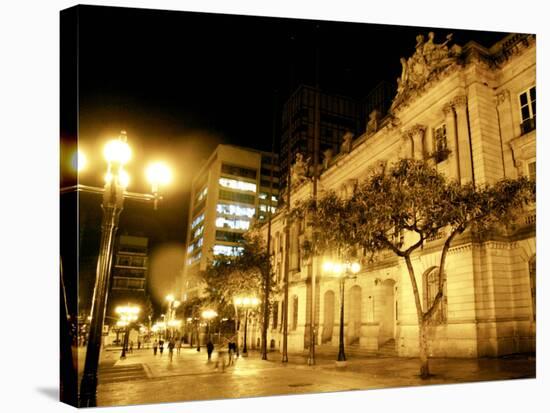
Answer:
(265, 314)
(423, 348)
(422, 323)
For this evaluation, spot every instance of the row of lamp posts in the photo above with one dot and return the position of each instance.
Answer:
(117, 153)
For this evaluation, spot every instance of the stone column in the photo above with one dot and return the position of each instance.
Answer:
(417, 135)
(429, 145)
(463, 139)
(406, 151)
(450, 125)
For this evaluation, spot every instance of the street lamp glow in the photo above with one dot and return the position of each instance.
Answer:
(328, 266)
(123, 178)
(170, 297)
(355, 267)
(79, 161)
(209, 314)
(117, 151)
(238, 301)
(174, 323)
(158, 173)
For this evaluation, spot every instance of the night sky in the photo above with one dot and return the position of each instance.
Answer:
(180, 83)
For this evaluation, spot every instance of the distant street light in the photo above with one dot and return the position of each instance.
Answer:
(127, 316)
(342, 271)
(209, 315)
(246, 302)
(117, 153)
(171, 313)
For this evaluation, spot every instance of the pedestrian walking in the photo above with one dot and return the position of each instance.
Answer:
(131, 346)
(220, 361)
(209, 349)
(161, 346)
(155, 347)
(139, 344)
(231, 347)
(180, 343)
(171, 345)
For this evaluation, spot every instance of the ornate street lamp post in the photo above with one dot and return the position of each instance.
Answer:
(342, 271)
(117, 153)
(247, 303)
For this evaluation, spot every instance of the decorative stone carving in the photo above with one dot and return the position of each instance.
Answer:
(460, 101)
(299, 170)
(346, 144)
(327, 158)
(502, 96)
(392, 123)
(428, 60)
(374, 120)
(447, 109)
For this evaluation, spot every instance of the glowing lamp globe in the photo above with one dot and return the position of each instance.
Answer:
(117, 151)
(158, 173)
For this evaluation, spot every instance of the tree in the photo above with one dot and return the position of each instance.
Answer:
(398, 208)
(244, 274)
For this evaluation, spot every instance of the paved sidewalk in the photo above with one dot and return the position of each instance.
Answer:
(145, 378)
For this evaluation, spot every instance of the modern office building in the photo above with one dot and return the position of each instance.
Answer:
(129, 273)
(338, 115)
(470, 112)
(234, 188)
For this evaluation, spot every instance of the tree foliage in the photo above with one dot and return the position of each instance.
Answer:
(400, 207)
(245, 274)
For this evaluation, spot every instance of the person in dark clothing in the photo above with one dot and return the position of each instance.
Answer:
(209, 349)
(171, 345)
(231, 349)
(161, 346)
(155, 346)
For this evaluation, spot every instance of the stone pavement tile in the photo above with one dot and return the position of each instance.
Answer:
(190, 377)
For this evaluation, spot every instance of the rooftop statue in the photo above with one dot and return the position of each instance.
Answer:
(428, 59)
(299, 170)
(327, 157)
(374, 121)
(346, 144)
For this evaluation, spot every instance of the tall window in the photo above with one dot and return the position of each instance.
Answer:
(431, 286)
(294, 312)
(533, 284)
(532, 170)
(528, 109)
(440, 143)
(275, 314)
(227, 250)
(237, 184)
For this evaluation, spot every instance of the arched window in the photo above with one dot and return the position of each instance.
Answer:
(431, 286)
(294, 312)
(328, 324)
(533, 284)
(275, 314)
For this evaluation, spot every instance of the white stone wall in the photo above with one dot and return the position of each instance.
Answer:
(489, 305)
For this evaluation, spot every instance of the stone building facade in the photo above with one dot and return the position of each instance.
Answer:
(470, 112)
